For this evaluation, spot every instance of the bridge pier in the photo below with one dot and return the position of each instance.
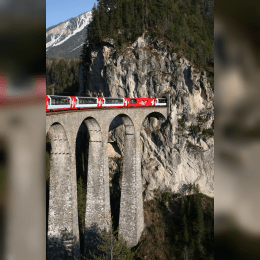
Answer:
(130, 220)
(95, 217)
(139, 187)
(60, 239)
(73, 179)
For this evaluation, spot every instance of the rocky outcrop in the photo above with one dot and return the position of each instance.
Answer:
(177, 152)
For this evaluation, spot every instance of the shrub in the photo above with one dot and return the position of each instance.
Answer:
(181, 123)
(145, 242)
(194, 147)
(201, 119)
(208, 132)
(111, 248)
(194, 129)
(151, 229)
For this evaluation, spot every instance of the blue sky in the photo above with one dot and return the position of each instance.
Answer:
(61, 10)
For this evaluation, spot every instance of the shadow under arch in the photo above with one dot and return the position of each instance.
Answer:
(115, 161)
(157, 115)
(153, 123)
(90, 166)
(60, 240)
(82, 151)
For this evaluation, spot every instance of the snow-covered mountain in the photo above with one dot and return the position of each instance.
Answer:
(66, 39)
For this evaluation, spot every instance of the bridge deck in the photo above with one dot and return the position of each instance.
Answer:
(98, 109)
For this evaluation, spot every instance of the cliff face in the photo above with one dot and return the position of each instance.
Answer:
(177, 152)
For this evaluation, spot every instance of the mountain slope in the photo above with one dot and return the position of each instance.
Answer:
(67, 38)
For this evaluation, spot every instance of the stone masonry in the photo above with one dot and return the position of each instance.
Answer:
(60, 203)
(62, 129)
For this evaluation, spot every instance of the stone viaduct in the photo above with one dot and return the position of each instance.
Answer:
(62, 130)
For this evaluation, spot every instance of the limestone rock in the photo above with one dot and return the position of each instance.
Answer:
(176, 152)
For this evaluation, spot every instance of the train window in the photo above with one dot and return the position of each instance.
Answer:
(60, 100)
(133, 100)
(114, 101)
(162, 100)
(87, 100)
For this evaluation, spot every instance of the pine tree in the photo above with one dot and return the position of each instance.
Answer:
(171, 32)
(185, 230)
(112, 248)
(199, 223)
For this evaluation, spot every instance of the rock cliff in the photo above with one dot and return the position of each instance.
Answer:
(178, 152)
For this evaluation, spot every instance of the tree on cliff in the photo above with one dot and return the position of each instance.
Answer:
(188, 24)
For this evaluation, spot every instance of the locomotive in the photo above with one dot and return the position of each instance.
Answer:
(60, 103)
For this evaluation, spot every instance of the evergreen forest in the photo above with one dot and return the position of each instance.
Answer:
(187, 24)
(62, 76)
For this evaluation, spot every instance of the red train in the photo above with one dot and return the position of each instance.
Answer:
(56, 103)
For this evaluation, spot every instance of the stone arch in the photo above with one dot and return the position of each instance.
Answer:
(60, 218)
(152, 142)
(154, 115)
(153, 123)
(96, 217)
